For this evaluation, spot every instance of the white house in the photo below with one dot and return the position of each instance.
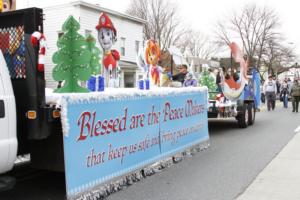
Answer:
(129, 35)
(292, 73)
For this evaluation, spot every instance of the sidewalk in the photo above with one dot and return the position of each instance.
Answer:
(280, 180)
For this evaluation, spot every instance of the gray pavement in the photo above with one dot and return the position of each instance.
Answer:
(280, 180)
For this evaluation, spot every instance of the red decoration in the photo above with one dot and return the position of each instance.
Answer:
(4, 45)
(39, 38)
(111, 58)
(115, 54)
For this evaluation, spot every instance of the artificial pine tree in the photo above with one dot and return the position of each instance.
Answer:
(207, 80)
(72, 59)
(95, 55)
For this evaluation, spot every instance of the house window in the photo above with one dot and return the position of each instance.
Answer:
(60, 33)
(123, 46)
(137, 46)
(87, 32)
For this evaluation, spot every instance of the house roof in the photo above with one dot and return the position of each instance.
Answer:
(109, 11)
(101, 9)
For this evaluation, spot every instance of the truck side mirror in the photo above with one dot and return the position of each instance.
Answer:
(2, 109)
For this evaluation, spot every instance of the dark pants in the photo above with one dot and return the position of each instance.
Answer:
(263, 98)
(295, 103)
(271, 98)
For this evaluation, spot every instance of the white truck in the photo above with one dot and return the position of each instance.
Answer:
(8, 137)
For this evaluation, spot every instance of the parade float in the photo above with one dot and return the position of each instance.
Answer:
(119, 130)
(239, 93)
(98, 134)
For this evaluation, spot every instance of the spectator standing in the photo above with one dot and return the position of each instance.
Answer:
(218, 81)
(270, 89)
(295, 92)
(284, 93)
(290, 84)
(277, 86)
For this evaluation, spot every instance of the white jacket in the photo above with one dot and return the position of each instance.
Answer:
(270, 86)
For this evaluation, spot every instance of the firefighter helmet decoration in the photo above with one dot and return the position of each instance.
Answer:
(107, 37)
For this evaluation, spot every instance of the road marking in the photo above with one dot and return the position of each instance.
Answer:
(297, 129)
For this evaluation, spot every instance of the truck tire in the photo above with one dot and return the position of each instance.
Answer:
(243, 117)
(251, 113)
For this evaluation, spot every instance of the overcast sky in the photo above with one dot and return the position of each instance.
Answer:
(203, 14)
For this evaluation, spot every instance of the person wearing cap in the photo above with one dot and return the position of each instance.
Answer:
(270, 90)
(295, 92)
(107, 35)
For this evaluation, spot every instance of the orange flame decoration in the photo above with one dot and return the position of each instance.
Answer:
(152, 54)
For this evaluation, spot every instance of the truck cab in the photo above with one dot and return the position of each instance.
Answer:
(8, 138)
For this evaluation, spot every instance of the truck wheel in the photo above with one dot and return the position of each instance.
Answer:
(243, 117)
(251, 114)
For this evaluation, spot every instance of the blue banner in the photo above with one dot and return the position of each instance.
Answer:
(108, 138)
(183, 122)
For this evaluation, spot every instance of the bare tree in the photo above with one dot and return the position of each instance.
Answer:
(197, 44)
(276, 56)
(253, 26)
(161, 19)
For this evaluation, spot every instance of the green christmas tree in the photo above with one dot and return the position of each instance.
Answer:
(95, 53)
(207, 80)
(72, 59)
